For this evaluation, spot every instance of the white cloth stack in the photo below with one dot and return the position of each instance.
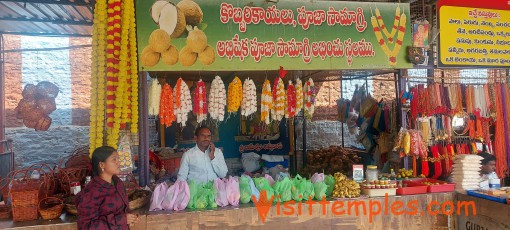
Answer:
(466, 172)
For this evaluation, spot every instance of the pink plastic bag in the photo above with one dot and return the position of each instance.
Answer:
(221, 196)
(158, 196)
(233, 194)
(270, 179)
(182, 198)
(317, 177)
(171, 193)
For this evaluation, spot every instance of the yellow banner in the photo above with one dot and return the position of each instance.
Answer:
(474, 37)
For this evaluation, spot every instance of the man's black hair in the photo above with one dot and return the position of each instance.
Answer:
(487, 157)
(197, 131)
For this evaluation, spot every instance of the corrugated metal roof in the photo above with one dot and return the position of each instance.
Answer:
(47, 17)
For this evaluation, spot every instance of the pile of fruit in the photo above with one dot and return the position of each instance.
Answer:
(330, 160)
(404, 173)
(344, 187)
(432, 183)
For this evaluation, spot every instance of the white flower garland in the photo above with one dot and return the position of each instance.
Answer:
(249, 103)
(217, 99)
(310, 91)
(154, 97)
(266, 103)
(181, 112)
(200, 102)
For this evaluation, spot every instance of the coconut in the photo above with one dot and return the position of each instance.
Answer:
(207, 56)
(187, 57)
(149, 57)
(197, 41)
(159, 40)
(170, 56)
(172, 20)
(155, 10)
(192, 12)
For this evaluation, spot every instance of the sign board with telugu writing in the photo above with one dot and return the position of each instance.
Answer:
(474, 37)
(261, 35)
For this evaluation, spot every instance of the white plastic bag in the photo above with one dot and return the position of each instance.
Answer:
(233, 194)
(221, 196)
(183, 195)
(171, 193)
(317, 177)
(250, 161)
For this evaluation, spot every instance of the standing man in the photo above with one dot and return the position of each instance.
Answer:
(204, 162)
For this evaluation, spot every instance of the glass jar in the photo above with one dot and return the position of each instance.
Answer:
(371, 173)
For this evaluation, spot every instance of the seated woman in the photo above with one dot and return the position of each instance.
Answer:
(103, 204)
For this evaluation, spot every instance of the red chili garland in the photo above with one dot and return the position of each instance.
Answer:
(200, 101)
(291, 100)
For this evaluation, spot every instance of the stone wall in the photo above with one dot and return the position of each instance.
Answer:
(32, 147)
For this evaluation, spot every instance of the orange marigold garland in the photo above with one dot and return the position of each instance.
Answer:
(266, 102)
(134, 68)
(166, 108)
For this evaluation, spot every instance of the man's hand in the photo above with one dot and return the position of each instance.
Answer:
(211, 151)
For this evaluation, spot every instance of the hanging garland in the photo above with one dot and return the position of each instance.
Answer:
(383, 27)
(155, 92)
(391, 54)
(249, 103)
(278, 110)
(235, 95)
(217, 100)
(291, 101)
(266, 102)
(200, 102)
(299, 95)
(182, 102)
(309, 91)
(134, 68)
(97, 93)
(166, 111)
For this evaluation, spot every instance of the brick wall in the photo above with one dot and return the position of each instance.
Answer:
(80, 81)
(12, 75)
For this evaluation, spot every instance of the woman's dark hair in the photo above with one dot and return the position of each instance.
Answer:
(197, 131)
(100, 155)
(487, 157)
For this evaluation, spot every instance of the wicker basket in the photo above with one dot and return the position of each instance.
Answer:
(48, 176)
(73, 168)
(51, 208)
(25, 195)
(70, 205)
(5, 211)
(139, 199)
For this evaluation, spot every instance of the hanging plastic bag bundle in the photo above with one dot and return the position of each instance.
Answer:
(221, 196)
(233, 194)
(158, 197)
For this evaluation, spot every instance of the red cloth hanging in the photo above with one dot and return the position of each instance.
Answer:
(437, 163)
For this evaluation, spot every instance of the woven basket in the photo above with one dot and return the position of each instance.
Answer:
(51, 208)
(48, 176)
(139, 199)
(73, 168)
(25, 195)
(70, 205)
(5, 211)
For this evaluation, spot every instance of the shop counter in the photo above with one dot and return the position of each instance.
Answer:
(489, 215)
(246, 217)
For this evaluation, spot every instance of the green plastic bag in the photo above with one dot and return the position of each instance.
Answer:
(244, 190)
(283, 190)
(298, 187)
(330, 182)
(308, 190)
(202, 198)
(193, 189)
(211, 195)
(262, 184)
(320, 189)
